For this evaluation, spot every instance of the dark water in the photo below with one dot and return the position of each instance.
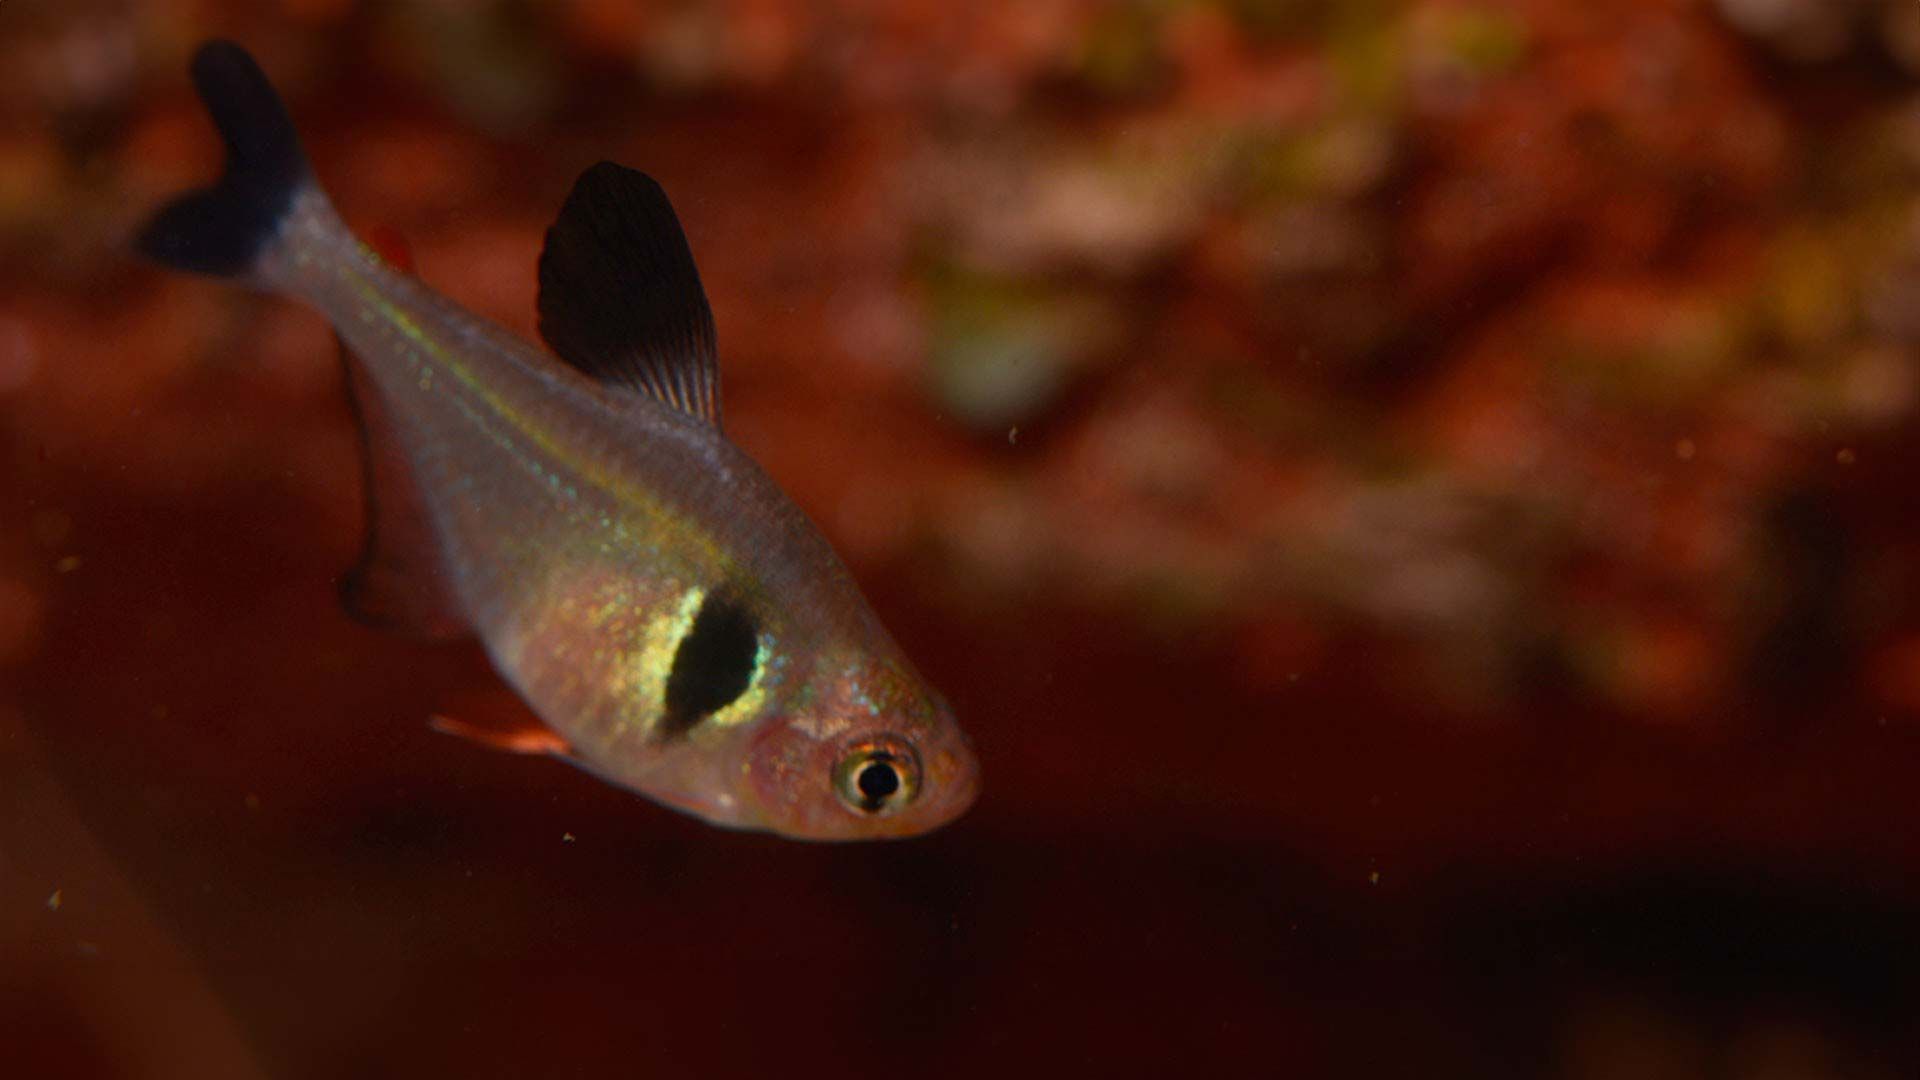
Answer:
(1412, 505)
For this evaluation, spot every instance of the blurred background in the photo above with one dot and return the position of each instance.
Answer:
(1412, 499)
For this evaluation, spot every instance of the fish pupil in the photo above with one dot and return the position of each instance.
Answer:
(714, 664)
(877, 783)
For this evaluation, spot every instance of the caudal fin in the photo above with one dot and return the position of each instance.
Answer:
(223, 229)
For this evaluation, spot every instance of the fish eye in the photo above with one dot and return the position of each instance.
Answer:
(877, 776)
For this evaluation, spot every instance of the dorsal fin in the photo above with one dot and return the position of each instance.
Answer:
(620, 298)
(398, 582)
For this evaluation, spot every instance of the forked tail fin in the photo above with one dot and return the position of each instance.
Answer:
(223, 229)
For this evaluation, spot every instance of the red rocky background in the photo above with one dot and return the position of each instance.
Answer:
(1414, 500)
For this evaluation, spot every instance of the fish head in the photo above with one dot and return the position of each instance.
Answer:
(863, 750)
(746, 713)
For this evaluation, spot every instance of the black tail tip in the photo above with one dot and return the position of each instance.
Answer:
(223, 228)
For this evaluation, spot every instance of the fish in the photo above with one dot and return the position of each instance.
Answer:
(674, 622)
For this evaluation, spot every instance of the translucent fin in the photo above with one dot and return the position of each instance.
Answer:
(392, 247)
(532, 739)
(398, 583)
(620, 298)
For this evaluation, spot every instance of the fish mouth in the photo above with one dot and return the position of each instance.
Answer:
(954, 780)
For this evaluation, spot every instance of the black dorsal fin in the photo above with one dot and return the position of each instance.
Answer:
(620, 298)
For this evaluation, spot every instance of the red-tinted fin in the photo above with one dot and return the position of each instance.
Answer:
(620, 298)
(388, 243)
(398, 583)
(534, 738)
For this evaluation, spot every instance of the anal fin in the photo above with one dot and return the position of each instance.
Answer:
(398, 582)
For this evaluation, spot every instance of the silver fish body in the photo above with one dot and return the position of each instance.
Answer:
(645, 587)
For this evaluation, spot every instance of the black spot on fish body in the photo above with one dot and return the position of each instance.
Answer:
(712, 666)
